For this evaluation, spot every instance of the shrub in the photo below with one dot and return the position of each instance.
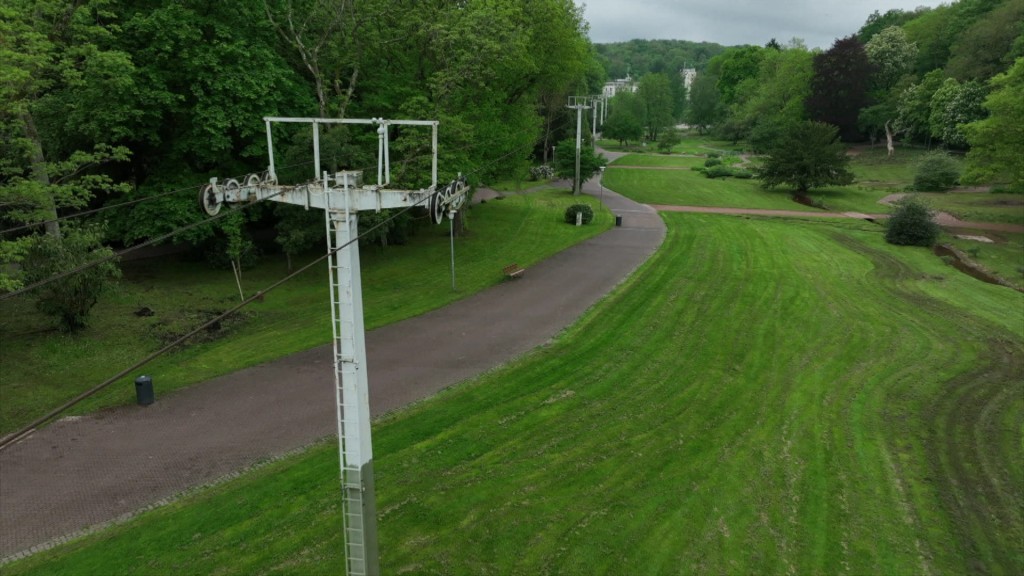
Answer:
(697, 169)
(70, 299)
(742, 174)
(713, 155)
(718, 172)
(542, 172)
(937, 172)
(911, 224)
(712, 162)
(571, 211)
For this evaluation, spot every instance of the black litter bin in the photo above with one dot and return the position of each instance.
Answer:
(618, 220)
(144, 390)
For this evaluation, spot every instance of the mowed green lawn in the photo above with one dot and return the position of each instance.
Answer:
(42, 368)
(689, 188)
(763, 396)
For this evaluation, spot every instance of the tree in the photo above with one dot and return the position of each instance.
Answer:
(807, 155)
(777, 97)
(997, 142)
(892, 55)
(56, 56)
(839, 87)
(69, 299)
(914, 105)
(590, 162)
(953, 105)
(937, 172)
(983, 49)
(656, 96)
(911, 224)
(669, 138)
(622, 125)
(703, 102)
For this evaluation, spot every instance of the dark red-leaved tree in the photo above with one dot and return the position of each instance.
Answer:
(839, 87)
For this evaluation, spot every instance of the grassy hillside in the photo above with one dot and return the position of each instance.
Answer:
(763, 396)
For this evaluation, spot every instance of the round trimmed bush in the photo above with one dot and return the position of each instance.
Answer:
(571, 211)
(938, 172)
(911, 224)
(712, 162)
(718, 172)
(742, 174)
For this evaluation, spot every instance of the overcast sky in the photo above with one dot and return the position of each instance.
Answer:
(732, 22)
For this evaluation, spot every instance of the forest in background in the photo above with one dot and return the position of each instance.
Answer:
(948, 77)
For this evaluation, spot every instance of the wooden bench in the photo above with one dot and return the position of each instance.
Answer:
(513, 270)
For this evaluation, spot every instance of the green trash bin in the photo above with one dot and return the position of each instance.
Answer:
(144, 390)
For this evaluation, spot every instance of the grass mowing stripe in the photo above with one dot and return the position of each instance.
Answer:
(761, 396)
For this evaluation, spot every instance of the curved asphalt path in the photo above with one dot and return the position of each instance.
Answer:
(82, 472)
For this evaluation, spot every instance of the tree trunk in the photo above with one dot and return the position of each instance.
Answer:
(888, 139)
(39, 174)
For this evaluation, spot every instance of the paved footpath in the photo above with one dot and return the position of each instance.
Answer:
(82, 472)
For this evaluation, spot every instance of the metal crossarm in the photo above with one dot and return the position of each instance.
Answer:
(342, 196)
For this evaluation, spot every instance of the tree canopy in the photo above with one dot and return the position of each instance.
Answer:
(806, 155)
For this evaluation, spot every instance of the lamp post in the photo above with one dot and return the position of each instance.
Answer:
(554, 156)
(602, 184)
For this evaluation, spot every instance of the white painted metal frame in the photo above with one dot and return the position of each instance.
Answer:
(342, 202)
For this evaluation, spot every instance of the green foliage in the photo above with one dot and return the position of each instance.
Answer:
(911, 224)
(985, 48)
(69, 299)
(953, 105)
(655, 95)
(584, 209)
(639, 57)
(997, 142)
(776, 98)
(937, 172)
(712, 161)
(839, 86)
(808, 155)
(914, 105)
(718, 171)
(298, 229)
(624, 122)
(892, 55)
(669, 138)
(735, 68)
(590, 161)
(703, 109)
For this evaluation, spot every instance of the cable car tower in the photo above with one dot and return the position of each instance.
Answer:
(342, 196)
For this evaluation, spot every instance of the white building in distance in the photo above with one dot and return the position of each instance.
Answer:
(621, 85)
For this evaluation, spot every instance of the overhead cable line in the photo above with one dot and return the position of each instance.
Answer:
(116, 255)
(120, 205)
(7, 440)
(259, 295)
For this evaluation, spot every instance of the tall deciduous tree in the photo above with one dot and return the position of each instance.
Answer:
(807, 155)
(839, 87)
(952, 106)
(704, 97)
(656, 96)
(997, 142)
(892, 54)
(914, 104)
